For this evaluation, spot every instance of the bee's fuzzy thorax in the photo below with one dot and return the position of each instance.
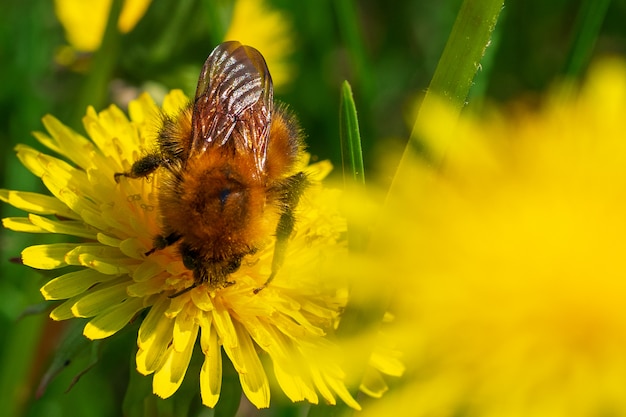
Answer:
(216, 205)
(229, 181)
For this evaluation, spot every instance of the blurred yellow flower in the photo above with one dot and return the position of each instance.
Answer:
(508, 262)
(108, 279)
(254, 23)
(84, 21)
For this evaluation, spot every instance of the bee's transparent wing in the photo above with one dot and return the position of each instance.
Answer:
(233, 103)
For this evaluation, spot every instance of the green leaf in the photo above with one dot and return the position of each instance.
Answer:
(73, 345)
(138, 395)
(139, 400)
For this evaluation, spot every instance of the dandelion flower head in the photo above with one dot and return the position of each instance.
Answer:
(108, 279)
(508, 261)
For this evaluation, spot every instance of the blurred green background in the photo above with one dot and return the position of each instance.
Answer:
(387, 50)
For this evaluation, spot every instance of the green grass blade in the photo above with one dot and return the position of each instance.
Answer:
(351, 152)
(456, 70)
(351, 158)
(470, 36)
(354, 179)
(588, 23)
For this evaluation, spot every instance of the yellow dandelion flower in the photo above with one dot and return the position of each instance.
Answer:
(254, 23)
(84, 22)
(508, 261)
(108, 279)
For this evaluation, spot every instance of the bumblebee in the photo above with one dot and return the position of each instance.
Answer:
(227, 165)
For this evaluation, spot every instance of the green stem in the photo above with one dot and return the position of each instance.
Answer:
(95, 88)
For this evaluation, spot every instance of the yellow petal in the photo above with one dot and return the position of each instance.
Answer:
(293, 384)
(319, 170)
(84, 23)
(49, 256)
(100, 298)
(387, 362)
(21, 224)
(155, 334)
(134, 248)
(253, 379)
(201, 299)
(147, 270)
(145, 288)
(180, 359)
(143, 109)
(64, 310)
(290, 371)
(150, 326)
(67, 142)
(65, 227)
(162, 385)
(105, 259)
(373, 383)
(108, 240)
(174, 102)
(168, 378)
(113, 319)
(211, 373)
(321, 385)
(110, 266)
(132, 12)
(55, 181)
(185, 331)
(73, 283)
(254, 23)
(31, 159)
(37, 203)
(111, 123)
(225, 328)
(341, 390)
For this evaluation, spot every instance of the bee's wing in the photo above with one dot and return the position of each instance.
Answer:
(233, 104)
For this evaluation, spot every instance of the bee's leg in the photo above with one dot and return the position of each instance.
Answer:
(191, 262)
(162, 242)
(291, 190)
(142, 168)
(183, 291)
(231, 267)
